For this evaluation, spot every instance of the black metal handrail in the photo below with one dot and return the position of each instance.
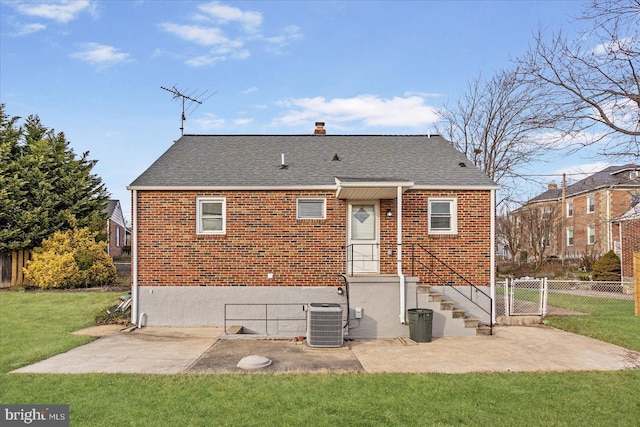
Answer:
(350, 252)
(453, 275)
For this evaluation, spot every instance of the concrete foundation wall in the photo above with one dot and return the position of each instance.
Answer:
(284, 307)
(248, 306)
(186, 306)
(379, 298)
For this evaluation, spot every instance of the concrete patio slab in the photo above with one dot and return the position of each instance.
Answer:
(152, 350)
(160, 350)
(510, 349)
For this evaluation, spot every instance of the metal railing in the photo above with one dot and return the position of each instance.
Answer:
(367, 254)
(270, 313)
(443, 274)
(435, 266)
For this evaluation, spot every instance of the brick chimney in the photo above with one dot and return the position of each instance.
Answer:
(552, 186)
(319, 129)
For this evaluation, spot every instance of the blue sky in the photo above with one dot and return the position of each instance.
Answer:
(94, 69)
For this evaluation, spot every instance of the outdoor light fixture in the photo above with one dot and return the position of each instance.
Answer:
(389, 213)
(340, 290)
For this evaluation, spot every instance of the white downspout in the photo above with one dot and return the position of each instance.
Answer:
(134, 258)
(403, 292)
(492, 278)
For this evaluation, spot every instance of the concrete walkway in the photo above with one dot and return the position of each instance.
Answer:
(176, 350)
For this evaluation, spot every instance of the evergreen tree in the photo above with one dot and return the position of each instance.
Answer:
(44, 186)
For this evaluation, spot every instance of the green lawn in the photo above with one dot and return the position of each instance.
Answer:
(35, 325)
(608, 319)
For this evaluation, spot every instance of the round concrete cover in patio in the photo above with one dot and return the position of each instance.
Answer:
(253, 362)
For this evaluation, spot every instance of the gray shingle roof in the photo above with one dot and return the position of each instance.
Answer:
(617, 176)
(255, 160)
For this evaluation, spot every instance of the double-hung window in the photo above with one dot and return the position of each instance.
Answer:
(443, 215)
(591, 235)
(569, 236)
(569, 209)
(211, 215)
(591, 204)
(310, 208)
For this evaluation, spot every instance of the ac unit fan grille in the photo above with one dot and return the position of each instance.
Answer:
(324, 325)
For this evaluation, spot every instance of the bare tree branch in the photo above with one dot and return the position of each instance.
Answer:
(592, 84)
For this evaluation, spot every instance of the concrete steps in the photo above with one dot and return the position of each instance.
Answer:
(449, 320)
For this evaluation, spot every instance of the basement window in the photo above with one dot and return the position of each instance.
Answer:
(443, 215)
(311, 208)
(211, 213)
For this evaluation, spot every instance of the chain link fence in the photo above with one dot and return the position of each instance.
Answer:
(563, 298)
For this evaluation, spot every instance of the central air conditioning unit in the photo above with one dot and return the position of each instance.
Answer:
(324, 325)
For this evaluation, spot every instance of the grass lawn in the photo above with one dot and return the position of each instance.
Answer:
(35, 325)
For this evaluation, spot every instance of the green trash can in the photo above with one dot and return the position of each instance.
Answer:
(420, 324)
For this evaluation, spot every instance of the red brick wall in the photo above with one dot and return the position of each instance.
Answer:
(630, 244)
(620, 202)
(114, 229)
(263, 236)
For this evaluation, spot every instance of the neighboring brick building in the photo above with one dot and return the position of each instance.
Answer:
(586, 210)
(627, 239)
(220, 220)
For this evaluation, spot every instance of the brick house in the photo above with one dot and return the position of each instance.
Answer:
(627, 239)
(116, 229)
(239, 228)
(586, 211)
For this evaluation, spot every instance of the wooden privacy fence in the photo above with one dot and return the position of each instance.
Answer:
(12, 268)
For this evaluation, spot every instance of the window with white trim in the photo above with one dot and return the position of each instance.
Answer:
(443, 215)
(310, 208)
(569, 236)
(569, 209)
(591, 235)
(591, 204)
(211, 215)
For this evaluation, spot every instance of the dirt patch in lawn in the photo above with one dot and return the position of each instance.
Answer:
(286, 356)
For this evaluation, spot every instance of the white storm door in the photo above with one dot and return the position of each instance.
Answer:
(363, 237)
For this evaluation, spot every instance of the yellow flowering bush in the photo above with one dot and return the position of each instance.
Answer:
(71, 259)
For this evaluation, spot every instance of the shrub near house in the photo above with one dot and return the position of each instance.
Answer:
(71, 259)
(607, 268)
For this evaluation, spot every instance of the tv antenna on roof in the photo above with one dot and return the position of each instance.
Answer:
(195, 100)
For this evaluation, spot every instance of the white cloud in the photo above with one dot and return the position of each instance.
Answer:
(98, 54)
(209, 122)
(362, 111)
(61, 11)
(249, 20)
(242, 122)
(204, 36)
(287, 35)
(578, 172)
(226, 31)
(250, 90)
(27, 29)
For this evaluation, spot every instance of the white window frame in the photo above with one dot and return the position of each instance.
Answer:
(589, 205)
(311, 199)
(590, 235)
(569, 209)
(117, 236)
(200, 200)
(453, 212)
(570, 238)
